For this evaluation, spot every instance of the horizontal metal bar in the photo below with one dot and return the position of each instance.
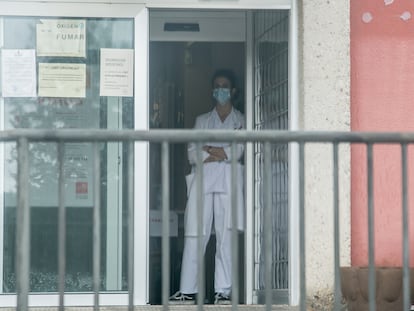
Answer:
(186, 135)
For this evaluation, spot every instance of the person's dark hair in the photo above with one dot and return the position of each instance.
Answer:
(225, 73)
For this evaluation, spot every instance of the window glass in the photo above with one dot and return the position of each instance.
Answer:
(67, 73)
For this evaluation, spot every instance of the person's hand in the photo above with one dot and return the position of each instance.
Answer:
(216, 154)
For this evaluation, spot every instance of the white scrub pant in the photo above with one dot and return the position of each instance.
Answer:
(215, 205)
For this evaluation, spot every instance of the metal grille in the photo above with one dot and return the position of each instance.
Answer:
(166, 137)
(271, 112)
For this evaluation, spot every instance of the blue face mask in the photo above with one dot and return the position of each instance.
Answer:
(222, 95)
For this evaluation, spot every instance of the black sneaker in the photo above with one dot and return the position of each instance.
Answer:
(221, 299)
(180, 298)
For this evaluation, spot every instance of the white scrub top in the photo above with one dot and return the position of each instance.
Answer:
(217, 175)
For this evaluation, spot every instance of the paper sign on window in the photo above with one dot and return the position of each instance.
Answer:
(61, 37)
(116, 72)
(18, 71)
(62, 80)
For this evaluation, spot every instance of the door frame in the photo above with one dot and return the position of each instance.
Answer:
(294, 278)
(137, 12)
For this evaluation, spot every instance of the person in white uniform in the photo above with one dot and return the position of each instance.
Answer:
(217, 196)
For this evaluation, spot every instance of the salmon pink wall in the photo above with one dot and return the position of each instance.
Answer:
(382, 99)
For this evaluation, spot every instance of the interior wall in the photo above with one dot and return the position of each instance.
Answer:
(180, 90)
(206, 58)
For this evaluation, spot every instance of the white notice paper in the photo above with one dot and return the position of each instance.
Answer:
(155, 223)
(61, 37)
(18, 71)
(117, 72)
(62, 80)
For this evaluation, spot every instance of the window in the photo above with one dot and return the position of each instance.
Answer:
(82, 71)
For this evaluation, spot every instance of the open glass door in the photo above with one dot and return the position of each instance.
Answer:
(271, 102)
(181, 66)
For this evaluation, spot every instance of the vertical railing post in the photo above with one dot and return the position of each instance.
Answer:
(337, 278)
(165, 224)
(302, 229)
(61, 228)
(200, 226)
(405, 229)
(267, 227)
(23, 226)
(234, 227)
(130, 177)
(96, 225)
(371, 230)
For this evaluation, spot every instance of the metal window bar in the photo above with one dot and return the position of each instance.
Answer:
(26, 137)
(271, 112)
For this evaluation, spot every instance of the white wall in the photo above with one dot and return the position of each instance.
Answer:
(325, 106)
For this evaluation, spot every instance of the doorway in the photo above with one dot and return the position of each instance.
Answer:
(180, 90)
(181, 63)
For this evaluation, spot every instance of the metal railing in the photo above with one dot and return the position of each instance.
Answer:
(167, 137)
